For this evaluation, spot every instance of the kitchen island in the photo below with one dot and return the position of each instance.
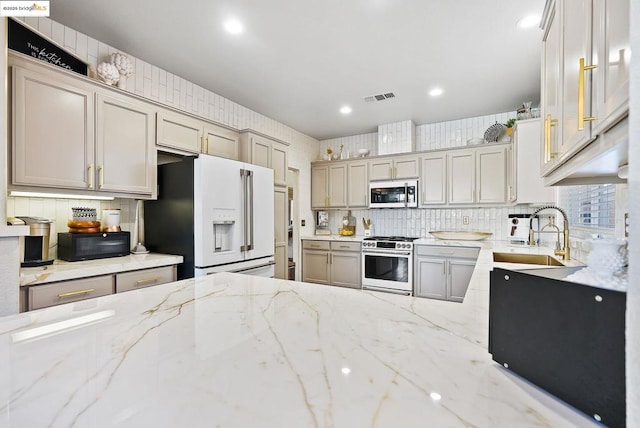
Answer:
(239, 351)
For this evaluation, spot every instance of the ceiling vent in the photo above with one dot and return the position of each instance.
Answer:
(379, 97)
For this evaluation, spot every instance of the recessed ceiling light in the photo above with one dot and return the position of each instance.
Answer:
(233, 26)
(435, 92)
(528, 21)
(345, 109)
(435, 396)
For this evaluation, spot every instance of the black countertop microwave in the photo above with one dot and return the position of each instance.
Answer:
(74, 247)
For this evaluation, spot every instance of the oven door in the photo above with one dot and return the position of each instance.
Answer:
(387, 270)
(393, 194)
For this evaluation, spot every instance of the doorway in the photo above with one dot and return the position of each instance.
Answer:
(293, 176)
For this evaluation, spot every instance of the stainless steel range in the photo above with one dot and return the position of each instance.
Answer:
(387, 264)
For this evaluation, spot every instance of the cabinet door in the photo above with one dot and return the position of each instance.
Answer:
(319, 186)
(125, 149)
(381, 169)
(611, 76)
(434, 179)
(279, 165)
(576, 41)
(527, 183)
(405, 168)
(53, 131)
(260, 151)
(280, 231)
(344, 272)
(459, 272)
(551, 91)
(430, 278)
(461, 177)
(491, 180)
(219, 141)
(315, 266)
(338, 185)
(357, 185)
(178, 131)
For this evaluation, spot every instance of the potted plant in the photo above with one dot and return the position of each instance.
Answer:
(509, 126)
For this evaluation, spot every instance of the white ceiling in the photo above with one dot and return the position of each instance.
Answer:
(299, 61)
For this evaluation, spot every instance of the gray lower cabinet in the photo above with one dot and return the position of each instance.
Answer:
(332, 263)
(58, 293)
(127, 281)
(442, 272)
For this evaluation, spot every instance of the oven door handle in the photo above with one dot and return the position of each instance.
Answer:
(386, 253)
(387, 290)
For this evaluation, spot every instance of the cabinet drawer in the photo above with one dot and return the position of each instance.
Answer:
(345, 246)
(448, 252)
(315, 245)
(144, 278)
(42, 296)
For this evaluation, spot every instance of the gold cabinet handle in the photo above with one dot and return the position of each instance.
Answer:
(147, 281)
(101, 174)
(581, 118)
(548, 123)
(90, 174)
(75, 293)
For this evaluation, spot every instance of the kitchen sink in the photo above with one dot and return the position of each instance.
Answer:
(529, 259)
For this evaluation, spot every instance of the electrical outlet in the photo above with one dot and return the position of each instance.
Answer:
(465, 219)
(626, 225)
(303, 222)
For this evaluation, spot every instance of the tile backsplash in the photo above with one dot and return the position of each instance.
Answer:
(59, 210)
(441, 135)
(418, 222)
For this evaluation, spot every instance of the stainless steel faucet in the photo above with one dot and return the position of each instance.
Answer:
(565, 251)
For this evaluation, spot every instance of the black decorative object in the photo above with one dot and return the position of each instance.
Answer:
(24, 40)
(565, 337)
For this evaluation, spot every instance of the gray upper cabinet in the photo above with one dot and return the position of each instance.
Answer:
(78, 136)
(329, 186)
(585, 90)
(357, 184)
(185, 133)
(263, 151)
(125, 145)
(433, 179)
(53, 141)
(395, 168)
(178, 131)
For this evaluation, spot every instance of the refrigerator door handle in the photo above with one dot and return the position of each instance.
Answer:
(249, 229)
(243, 175)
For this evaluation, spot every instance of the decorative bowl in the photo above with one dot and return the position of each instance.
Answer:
(459, 235)
(362, 152)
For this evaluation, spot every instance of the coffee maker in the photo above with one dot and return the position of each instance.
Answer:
(34, 248)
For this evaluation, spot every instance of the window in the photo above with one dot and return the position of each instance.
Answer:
(590, 207)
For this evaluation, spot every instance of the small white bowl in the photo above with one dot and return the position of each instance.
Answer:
(474, 141)
(363, 152)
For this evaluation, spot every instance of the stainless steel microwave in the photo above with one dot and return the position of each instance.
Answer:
(393, 194)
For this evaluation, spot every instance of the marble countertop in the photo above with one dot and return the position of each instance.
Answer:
(62, 271)
(237, 351)
(354, 238)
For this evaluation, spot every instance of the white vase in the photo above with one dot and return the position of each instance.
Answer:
(122, 82)
(605, 258)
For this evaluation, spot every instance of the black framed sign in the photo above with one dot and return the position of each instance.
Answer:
(24, 40)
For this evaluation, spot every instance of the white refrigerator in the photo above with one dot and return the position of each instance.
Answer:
(217, 213)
